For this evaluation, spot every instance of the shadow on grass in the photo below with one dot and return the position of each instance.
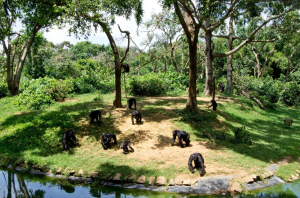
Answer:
(41, 131)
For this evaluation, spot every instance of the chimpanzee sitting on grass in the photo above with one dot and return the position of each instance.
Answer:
(198, 161)
(106, 139)
(96, 115)
(124, 145)
(67, 139)
(138, 117)
(182, 135)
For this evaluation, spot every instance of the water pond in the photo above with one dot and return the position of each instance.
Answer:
(16, 184)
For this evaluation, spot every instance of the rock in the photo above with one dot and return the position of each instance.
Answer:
(249, 179)
(194, 181)
(94, 174)
(268, 174)
(186, 182)
(212, 185)
(151, 180)
(161, 181)
(58, 171)
(80, 173)
(171, 182)
(72, 172)
(141, 179)
(294, 177)
(298, 171)
(236, 187)
(178, 182)
(117, 177)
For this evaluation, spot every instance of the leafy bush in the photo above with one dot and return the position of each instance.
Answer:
(241, 136)
(290, 95)
(149, 84)
(152, 84)
(42, 92)
(3, 87)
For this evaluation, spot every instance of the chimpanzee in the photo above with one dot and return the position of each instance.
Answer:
(182, 135)
(2, 95)
(67, 139)
(130, 102)
(106, 139)
(198, 161)
(221, 87)
(124, 145)
(213, 104)
(126, 68)
(96, 115)
(137, 115)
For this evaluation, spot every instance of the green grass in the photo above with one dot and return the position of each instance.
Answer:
(35, 136)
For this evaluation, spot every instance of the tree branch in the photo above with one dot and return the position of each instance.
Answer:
(128, 44)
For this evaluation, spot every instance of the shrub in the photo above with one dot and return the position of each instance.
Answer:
(152, 84)
(147, 85)
(42, 92)
(3, 86)
(290, 95)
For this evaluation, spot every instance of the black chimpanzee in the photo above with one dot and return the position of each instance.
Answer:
(138, 117)
(182, 135)
(2, 95)
(96, 115)
(106, 139)
(67, 139)
(213, 104)
(130, 102)
(126, 68)
(124, 145)
(198, 161)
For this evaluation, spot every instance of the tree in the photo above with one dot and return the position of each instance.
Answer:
(210, 15)
(85, 15)
(16, 45)
(166, 22)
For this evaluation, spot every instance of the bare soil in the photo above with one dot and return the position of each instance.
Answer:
(152, 140)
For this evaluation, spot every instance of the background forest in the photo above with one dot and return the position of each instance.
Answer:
(266, 68)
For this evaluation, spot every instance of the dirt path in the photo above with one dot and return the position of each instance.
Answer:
(152, 140)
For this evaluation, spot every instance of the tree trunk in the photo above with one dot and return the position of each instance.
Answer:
(173, 58)
(192, 94)
(118, 100)
(182, 59)
(229, 88)
(209, 61)
(14, 73)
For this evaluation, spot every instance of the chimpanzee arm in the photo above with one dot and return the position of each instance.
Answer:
(187, 140)
(174, 137)
(130, 147)
(200, 161)
(132, 119)
(103, 142)
(190, 164)
(115, 138)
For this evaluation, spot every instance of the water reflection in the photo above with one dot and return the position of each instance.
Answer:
(20, 185)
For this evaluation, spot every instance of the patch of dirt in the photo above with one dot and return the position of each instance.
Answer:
(152, 139)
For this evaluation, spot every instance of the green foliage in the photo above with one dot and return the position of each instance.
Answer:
(152, 84)
(42, 92)
(241, 136)
(290, 95)
(147, 85)
(3, 86)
